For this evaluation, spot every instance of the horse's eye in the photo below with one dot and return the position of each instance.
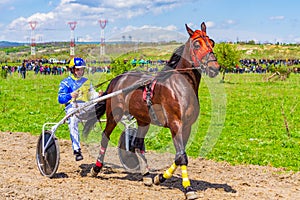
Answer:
(197, 45)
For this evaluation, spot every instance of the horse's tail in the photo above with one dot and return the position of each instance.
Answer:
(100, 109)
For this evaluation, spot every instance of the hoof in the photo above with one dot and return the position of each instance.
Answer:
(94, 171)
(144, 169)
(158, 179)
(190, 193)
(147, 180)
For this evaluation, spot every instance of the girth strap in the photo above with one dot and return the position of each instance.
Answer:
(147, 96)
(148, 91)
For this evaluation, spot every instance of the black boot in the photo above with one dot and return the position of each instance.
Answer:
(78, 155)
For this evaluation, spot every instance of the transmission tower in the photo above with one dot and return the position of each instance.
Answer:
(72, 43)
(102, 23)
(33, 44)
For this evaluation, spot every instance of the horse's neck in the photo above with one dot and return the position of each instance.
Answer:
(185, 67)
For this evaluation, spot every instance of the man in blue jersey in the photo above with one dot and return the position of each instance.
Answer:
(74, 91)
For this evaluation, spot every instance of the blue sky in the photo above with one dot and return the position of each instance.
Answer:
(226, 20)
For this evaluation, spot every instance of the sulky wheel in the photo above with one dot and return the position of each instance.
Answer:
(47, 164)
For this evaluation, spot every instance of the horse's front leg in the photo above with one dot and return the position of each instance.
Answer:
(181, 160)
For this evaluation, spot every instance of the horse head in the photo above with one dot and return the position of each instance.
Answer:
(201, 51)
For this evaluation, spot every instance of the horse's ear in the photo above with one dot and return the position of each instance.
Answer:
(212, 42)
(203, 27)
(190, 31)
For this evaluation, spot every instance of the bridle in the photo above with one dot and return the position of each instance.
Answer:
(196, 52)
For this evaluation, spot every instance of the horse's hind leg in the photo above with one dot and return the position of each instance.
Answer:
(140, 153)
(139, 147)
(100, 160)
(110, 125)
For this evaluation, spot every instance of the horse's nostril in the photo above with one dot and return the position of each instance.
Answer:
(213, 72)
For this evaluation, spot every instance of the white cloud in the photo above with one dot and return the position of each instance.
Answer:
(297, 39)
(149, 33)
(230, 22)
(54, 24)
(43, 17)
(147, 5)
(86, 38)
(276, 17)
(171, 28)
(19, 22)
(3, 2)
(132, 28)
(210, 24)
(87, 13)
(123, 4)
(43, 20)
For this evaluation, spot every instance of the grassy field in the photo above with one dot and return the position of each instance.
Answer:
(250, 129)
(254, 130)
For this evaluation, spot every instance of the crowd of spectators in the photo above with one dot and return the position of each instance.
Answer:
(264, 65)
(37, 67)
(45, 67)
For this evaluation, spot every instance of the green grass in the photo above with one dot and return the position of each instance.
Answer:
(249, 130)
(26, 104)
(254, 131)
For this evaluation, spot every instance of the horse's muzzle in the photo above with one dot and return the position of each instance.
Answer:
(212, 72)
(213, 68)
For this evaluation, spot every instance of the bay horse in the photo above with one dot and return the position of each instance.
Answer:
(174, 102)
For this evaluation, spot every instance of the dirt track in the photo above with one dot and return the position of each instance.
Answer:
(20, 178)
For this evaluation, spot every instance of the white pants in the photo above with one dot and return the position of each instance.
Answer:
(74, 121)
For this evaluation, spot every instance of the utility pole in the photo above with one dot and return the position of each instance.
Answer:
(102, 23)
(72, 42)
(33, 43)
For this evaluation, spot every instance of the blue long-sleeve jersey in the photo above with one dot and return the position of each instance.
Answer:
(71, 84)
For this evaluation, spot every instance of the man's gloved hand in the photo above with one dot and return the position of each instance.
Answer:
(75, 94)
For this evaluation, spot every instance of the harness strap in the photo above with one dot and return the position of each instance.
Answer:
(147, 96)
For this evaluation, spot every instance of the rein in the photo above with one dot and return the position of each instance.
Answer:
(166, 71)
(196, 57)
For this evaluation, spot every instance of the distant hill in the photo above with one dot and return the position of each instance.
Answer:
(9, 44)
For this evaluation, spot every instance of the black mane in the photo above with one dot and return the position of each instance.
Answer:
(172, 63)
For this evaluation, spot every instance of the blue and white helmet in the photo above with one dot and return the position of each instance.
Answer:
(77, 63)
